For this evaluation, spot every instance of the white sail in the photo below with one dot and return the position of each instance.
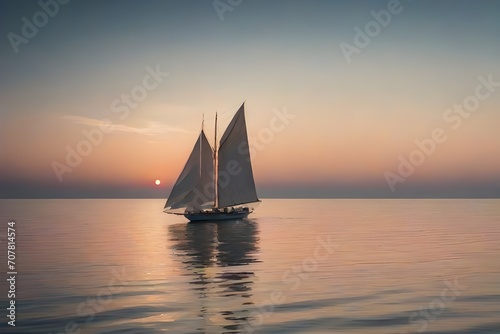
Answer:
(194, 188)
(235, 177)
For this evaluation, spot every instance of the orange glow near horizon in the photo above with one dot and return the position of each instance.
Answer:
(349, 153)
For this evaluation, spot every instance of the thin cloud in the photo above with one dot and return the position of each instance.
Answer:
(153, 127)
(82, 120)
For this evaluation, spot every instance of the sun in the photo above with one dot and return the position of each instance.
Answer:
(157, 182)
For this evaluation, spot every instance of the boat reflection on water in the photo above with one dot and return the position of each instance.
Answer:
(219, 257)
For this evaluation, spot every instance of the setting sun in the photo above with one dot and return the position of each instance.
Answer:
(157, 182)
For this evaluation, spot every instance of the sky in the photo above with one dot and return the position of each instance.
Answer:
(348, 99)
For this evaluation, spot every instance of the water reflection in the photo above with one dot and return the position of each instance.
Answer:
(218, 256)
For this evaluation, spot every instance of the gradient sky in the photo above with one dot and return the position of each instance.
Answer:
(352, 120)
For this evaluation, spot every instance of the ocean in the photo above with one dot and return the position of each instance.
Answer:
(295, 266)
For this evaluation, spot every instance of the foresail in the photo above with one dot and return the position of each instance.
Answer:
(194, 189)
(236, 184)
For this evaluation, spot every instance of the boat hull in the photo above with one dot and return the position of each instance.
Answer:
(211, 216)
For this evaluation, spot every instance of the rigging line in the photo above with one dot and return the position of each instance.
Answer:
(200, 138)
(229, 110)
(216, 183)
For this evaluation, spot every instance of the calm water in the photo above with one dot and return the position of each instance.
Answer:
(297, 266)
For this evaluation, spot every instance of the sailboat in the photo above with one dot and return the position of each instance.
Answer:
(216, 183)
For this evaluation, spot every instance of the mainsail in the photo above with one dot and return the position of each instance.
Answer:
(194, 189)
(235, 177)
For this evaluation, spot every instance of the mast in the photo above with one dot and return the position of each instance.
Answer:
(216, 184)
(202, 122)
